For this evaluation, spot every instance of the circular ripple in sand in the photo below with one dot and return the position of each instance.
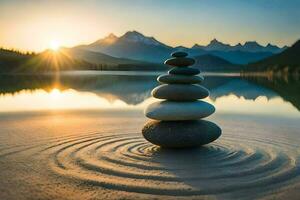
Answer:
(129, 163)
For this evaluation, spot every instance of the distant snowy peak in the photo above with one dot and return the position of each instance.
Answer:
(252, 45)
(108, 40)
(197, 46)
(130, 36)
(213, 45)
(134, 36)
(215, 42)
(111, 36)
(216, 45)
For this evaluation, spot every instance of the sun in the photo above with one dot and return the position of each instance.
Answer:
(54, 45)
(55, 93)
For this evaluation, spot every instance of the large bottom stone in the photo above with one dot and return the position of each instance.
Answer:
(181, 134)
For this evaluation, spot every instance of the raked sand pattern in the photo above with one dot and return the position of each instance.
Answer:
(125, 166)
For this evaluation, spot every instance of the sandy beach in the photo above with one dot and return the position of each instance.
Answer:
(102, 155)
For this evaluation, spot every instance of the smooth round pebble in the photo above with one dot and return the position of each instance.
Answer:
(180, 62)
(173, 111)
(184, 71)
(180, 92)
(181, 134)
(179, 54)
(179, 79)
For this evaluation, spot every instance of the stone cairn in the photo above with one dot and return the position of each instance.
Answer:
(177, 120)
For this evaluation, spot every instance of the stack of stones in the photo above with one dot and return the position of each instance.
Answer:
(177, 120)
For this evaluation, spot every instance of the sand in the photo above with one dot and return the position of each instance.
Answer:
(102, 155)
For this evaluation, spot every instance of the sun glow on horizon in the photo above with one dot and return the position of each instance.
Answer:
(54, 45)
(55, 93)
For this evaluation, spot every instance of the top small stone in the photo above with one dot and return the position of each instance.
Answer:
(179, 54)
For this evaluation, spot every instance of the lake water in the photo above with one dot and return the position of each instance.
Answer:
(77, 136)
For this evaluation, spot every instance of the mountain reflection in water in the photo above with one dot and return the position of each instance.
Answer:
(112, 91)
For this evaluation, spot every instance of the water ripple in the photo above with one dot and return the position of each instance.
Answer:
(126, 162)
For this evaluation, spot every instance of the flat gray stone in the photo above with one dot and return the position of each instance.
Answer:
(184, 71)
(181, 134)
(180, 92)
(180, 62)
(179, 79)
(179, 54)
(173, 111)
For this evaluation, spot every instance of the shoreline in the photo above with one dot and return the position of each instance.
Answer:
(113, 72)
(266, 74)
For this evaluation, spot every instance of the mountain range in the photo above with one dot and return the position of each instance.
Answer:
(250, 46)
(136, 46)
(134, 51)
(132, 45)
(287, 61)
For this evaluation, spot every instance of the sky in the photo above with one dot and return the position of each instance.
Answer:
(34, 25)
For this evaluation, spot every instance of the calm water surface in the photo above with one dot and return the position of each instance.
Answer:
(131, 90)
(77, 136)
